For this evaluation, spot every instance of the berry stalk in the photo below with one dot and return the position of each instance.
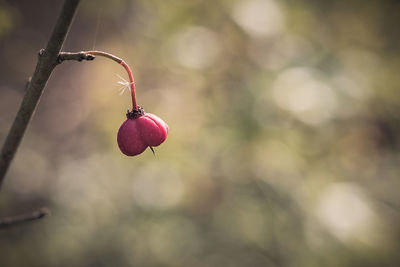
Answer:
(127, 68)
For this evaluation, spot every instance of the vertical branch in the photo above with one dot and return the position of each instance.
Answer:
(46, 63)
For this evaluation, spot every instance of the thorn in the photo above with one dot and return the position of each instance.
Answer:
(41, 52)
(152, 150)
(59, 59)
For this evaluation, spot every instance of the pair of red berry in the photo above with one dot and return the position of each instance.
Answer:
(140, 130)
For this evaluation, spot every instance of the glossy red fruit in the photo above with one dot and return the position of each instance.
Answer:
(139, 131)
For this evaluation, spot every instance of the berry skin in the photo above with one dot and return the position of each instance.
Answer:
(139, 131)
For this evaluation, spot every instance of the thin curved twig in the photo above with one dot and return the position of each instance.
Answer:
(14, 220)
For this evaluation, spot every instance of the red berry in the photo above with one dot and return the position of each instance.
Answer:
(140, 131)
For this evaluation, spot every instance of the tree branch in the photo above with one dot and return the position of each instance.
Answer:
(35, 215)
(46, 63)
(78, 56)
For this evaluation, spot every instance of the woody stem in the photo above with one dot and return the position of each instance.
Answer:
(46, 63)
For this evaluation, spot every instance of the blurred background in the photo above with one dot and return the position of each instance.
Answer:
(284, 135)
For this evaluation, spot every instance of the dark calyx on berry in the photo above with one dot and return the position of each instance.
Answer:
(135, 113)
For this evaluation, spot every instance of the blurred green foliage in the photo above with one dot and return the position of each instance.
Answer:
(283, 147)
